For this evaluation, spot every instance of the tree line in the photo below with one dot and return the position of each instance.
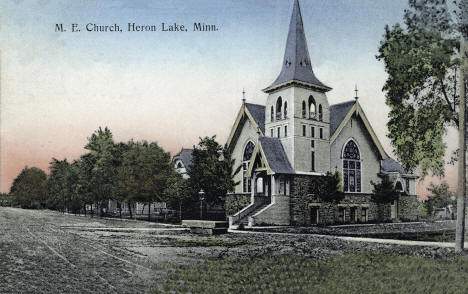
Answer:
(136, 171)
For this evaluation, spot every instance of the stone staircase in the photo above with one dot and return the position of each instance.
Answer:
(245, 220)
(242, 217)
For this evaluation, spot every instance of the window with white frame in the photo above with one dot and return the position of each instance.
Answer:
(246, 184)
(351, 168)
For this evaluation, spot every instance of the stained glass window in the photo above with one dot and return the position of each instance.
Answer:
(246, 185)
(351, 168)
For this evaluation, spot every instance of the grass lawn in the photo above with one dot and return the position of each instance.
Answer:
(366, 272)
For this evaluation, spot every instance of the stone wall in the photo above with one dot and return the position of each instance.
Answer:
(235, 202)
(302, 202)
(408, 208)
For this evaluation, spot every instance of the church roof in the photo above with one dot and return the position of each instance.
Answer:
(390, 165)
(296, 64)
(275, 155)
(338, 112)
(258, 113)
(185, 155)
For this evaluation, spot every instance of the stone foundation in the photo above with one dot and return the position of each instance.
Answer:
(408, 208)
(354, 208)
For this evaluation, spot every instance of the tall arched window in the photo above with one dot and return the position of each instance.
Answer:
(279, 104)
(272, 117)
(246, 185)
(312, 108)
(304, 112)
(351, 168)
(285, 109)
(320, 112)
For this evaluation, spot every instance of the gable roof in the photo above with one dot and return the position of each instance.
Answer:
(258, 114)
(185, 155)
(273, 155)
(338, 113)
(339, 124)
(390, 165)
(296, 64)
(255, 113)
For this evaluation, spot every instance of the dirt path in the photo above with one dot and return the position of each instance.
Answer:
(39, 253)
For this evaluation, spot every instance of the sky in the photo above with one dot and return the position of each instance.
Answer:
(57, 88)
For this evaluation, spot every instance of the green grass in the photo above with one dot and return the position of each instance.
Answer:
(206, 243)
(367, 272)
(448, 236)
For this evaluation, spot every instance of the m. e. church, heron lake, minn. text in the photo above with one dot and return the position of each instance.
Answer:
(134, 27)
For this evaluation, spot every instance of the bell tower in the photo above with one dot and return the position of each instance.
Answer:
(297, 109)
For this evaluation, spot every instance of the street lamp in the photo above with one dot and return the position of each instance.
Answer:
(201, 196)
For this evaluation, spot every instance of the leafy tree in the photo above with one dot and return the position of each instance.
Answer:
(119, 150)
(5, 199)
(57, 185)
(177, 191)
(84, 167)
(29, 188)
(385, 191)
(143, 173)
(212, 170)
(440, 197)
(329, 189)
(421, 62)
(103, 173)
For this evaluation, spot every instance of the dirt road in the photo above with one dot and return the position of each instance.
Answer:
(46, 252)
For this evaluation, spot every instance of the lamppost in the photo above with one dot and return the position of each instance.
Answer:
(201, 196)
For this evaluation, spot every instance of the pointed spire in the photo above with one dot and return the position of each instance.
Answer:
(296, 64)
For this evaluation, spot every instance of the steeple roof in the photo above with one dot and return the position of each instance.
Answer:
(296, 64)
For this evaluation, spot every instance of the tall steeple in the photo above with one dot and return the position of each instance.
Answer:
(296, 64)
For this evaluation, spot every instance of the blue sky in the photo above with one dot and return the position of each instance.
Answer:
(169, 87)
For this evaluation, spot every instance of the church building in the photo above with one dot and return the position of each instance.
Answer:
(298, 136)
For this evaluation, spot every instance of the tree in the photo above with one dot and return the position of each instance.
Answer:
(5, 199)
(422, 62)
(29, 188)
(329, 188)
(440, 197)
(212, 170)
(177, 191)
(384, 193)
(103, 172)
(143, 173)
(57, 185)
(119, 150)
(84, 167)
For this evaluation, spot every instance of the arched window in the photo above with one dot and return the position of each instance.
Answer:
(312, 108)
(260, 185)
(279, 104)
(399, 186)
(285, 109)
(246, 185)
(272, 117)
(304, 112)
(351, 168)
(320, 112)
